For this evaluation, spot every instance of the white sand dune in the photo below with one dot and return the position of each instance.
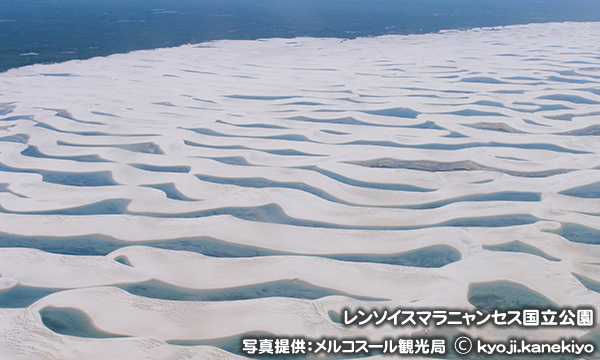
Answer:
(24, 337)
(166, 203)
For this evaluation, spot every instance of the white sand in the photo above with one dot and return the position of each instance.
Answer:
(289, 108)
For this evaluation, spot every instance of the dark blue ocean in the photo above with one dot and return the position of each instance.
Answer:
(44, 31)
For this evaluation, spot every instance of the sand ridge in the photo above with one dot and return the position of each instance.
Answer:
(286, 179)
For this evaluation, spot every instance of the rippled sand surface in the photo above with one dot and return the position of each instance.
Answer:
(162, 204)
